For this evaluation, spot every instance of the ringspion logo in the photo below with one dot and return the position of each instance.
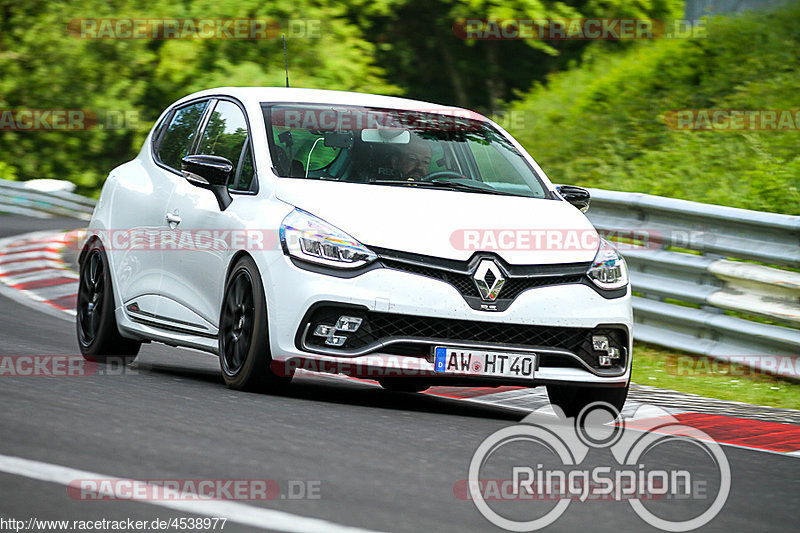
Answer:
(546, 459)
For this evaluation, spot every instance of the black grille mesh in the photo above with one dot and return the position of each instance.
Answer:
(378, 326)
(462, 282)
(465, 285)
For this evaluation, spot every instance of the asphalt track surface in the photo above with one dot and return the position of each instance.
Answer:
(382, 461)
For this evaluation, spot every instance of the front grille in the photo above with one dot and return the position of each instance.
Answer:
(514, 286)
(377, 328)
(462, 282)
(459, 274)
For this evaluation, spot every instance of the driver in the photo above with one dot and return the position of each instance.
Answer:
(413, 161)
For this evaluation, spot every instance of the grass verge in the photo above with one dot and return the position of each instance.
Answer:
(671, 369)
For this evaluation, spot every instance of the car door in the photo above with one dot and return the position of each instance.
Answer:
(205, 236)
(140, 216)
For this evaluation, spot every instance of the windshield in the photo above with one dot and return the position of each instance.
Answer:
(394, 147)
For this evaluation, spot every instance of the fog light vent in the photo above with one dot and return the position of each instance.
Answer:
(344, 324)
(349, 324)
(323, 330)
(335, 340)
(600, 343)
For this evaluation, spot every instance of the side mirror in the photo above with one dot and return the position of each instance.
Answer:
(209, 172)
(577, 196)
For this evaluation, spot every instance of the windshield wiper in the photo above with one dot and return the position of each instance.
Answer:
(444, 185)
(470, 187)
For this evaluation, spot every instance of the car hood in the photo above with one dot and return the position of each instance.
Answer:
(448, 224)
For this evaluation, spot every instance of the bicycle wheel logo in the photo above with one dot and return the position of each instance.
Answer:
(570, 477)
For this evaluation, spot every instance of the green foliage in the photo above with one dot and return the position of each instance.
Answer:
(416, 44)
(43, 67)
(599, 124)
(603, 124)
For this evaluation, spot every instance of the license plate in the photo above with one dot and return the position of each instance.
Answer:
(484, 363)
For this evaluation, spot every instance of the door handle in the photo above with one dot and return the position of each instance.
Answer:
(173, 219)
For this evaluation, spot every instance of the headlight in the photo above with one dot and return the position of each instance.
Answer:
(309, 238)
(608, 270)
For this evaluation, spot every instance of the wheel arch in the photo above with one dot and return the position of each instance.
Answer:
(235, 259)
(88, 244)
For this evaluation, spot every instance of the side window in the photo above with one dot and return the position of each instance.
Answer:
(160, 128)
(246, 172)
(226, 134)
(178, 138)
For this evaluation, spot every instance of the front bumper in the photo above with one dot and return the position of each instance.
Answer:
(405, 315)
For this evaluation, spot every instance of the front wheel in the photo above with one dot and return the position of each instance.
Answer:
(98, 335)
(572, 399)
(244, 353)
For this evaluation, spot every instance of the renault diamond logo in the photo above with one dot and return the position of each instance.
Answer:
(488, 279)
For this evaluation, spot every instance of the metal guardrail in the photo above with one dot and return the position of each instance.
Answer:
(19, 198)
(707, 278)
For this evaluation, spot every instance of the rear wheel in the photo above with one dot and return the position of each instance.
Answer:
(572, 399)
(244, 353)
(403, 385)
(98, 335)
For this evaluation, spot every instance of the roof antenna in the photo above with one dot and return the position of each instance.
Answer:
(285, 61)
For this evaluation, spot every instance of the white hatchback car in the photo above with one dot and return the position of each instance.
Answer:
(377, 237)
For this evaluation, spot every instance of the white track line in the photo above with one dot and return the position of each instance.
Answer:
(53, 264)
(240, 513)
(38, 275)
(58, 291)
(28, 299)
(22, 258)
(25, 257)
(32, 247)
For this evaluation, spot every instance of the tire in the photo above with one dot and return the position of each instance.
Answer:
(96, 325)
(244, 353)
(403, 385)
(572, 399)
